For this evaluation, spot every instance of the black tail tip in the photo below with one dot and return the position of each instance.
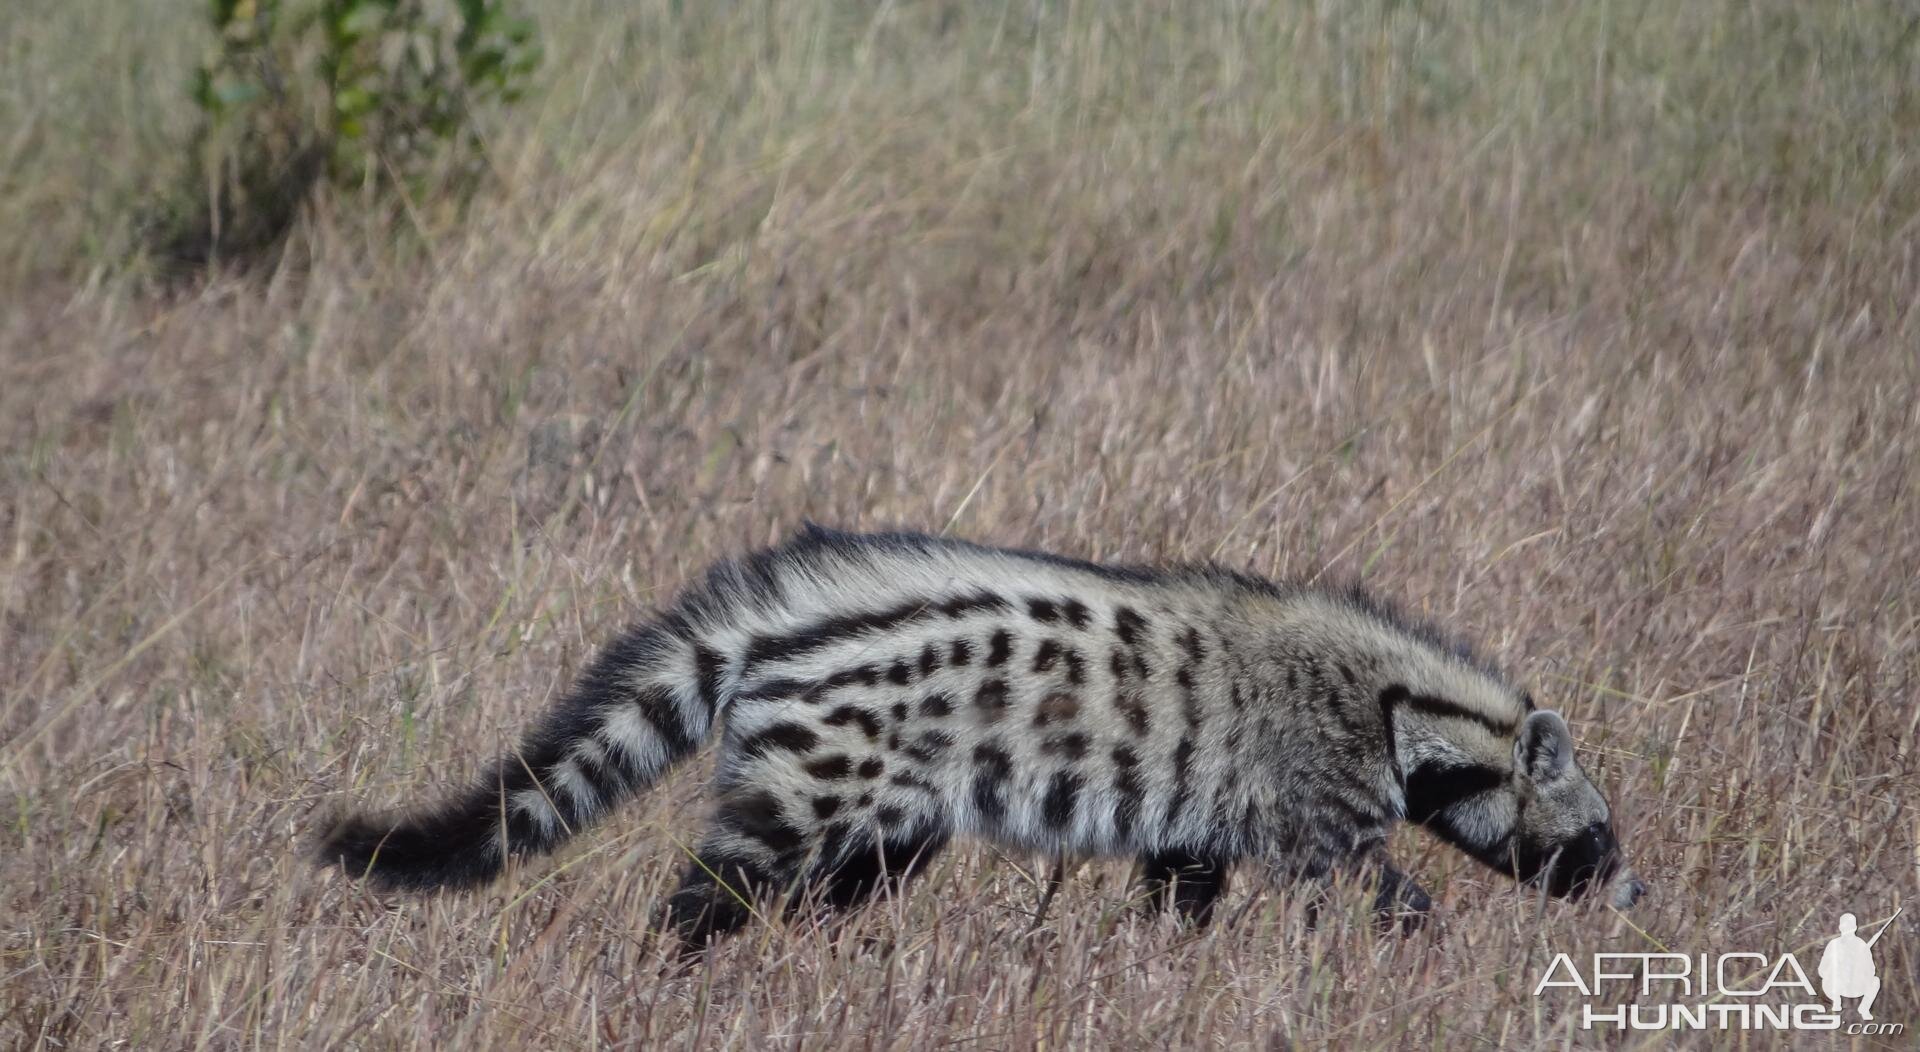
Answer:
(352, 843)
(408, 855)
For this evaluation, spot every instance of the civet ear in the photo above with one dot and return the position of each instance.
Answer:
(1545, 747)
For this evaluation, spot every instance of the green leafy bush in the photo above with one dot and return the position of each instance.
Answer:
(369, 95)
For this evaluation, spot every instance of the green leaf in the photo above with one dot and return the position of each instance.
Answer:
(353, 101)
(200, 89)
(362, 20)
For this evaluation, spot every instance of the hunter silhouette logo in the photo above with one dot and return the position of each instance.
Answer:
(1846, 968)
(1733, 990)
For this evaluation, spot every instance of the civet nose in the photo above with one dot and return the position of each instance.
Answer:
(1625, 889)
(1632, 893)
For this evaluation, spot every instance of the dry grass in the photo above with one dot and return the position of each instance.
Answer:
(1588, 329)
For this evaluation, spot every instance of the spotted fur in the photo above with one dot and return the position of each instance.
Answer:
(879, 694)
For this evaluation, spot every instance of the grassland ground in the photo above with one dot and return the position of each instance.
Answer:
(1588, 330)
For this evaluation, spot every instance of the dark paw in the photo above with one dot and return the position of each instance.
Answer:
(1188, 885)
(1403, 907)
(701, 916)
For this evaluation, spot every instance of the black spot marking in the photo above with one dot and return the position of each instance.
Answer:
(899, 674)
(929, 660)
(1045, 657)
(993, 760)
(830, 768)
(1236, 695)
(929, 747)
(865, 800)
(899, 711)
(872, 767)
(961, 653)
(1057, 707)
(757, 815)
(865, 675)
(1063, 791)
(1347, 674)
(1190, 642)
(1117, 664)
(993, 699)
(999, 648)
(825, 806)
(777, 690)
(1134, 707)
(1182, 781)
(1077, 613)
(992, 766)
(1073, 746)
(1127, 784)
(978, 601)
(1076, 666)
(1129, 626)
(936, 705)
(911, 781)
(1043, 610)
(890, 816)
(845, 714)
(784, 736)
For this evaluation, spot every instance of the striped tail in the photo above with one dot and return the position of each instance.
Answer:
(646, 702)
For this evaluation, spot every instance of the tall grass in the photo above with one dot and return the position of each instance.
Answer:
(1585, 328)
